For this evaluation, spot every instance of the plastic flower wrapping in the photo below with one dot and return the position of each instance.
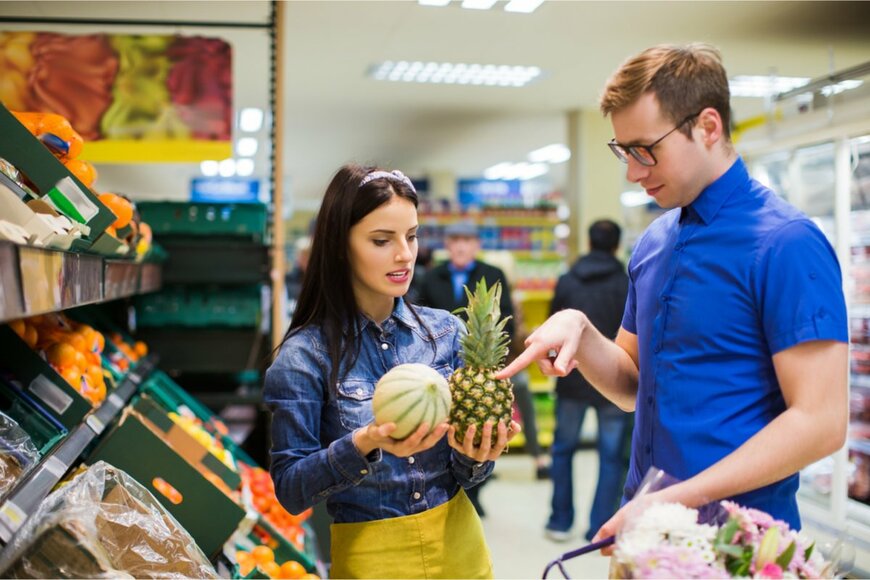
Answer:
(724, 540)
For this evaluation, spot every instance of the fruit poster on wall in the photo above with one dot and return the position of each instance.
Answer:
(133, 98)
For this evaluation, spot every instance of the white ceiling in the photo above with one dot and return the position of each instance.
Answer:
(335, 114)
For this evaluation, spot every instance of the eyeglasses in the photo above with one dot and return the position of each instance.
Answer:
(644, 153)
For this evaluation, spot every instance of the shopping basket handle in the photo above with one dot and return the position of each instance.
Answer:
(578, 552)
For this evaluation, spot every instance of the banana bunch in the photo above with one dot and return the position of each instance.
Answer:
(140, 97)
(15, 62)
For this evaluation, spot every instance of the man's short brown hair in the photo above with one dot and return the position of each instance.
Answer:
(684, 79)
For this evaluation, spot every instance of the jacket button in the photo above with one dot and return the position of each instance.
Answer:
(359, 391)
(363, 471)
(416, 495)
(385, 346)
(411, 460)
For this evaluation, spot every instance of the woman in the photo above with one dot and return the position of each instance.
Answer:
(399, 507)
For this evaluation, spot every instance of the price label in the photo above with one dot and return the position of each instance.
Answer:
(12, 515)
(116, 401)
(54, 466)
(95, 424)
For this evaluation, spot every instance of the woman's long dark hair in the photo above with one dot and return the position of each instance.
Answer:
(326, 298)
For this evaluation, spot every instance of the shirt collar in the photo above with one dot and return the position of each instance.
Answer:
(714, 196)
(454, 270)
(401, 313)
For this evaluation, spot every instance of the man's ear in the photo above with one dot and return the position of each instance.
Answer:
(710, 123)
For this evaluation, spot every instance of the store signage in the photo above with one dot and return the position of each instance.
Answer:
(484, 192)
(222, 189)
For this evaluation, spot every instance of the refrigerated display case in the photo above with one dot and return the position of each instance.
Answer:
(830, 182)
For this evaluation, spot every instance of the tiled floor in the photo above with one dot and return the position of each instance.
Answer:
(517, 507)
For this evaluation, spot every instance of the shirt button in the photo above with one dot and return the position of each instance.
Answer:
(665, 298)
(363, 471)
(385, 346)
(359, 391)
(411, 460)
(416, 495)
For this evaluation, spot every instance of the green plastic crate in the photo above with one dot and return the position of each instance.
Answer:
(44, 432)
(201, 307)
(247, 220)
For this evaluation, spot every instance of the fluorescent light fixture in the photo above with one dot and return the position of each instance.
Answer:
(251, 119)
(763, 86)
(841, 86)
(433, 2)
(521, 170)
(227, 168)
(562, 231)
(478, 4)
(555, 153)
(246, 147)
(209, 168)
(244, 167)
(524, 6)
(634, 198)
(450, 73)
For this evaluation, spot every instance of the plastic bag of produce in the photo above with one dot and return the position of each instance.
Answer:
(104, 524)
(17, 453)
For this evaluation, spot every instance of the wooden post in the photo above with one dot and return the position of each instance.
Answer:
(279, 266)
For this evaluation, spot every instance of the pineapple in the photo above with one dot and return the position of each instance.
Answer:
(477, 396)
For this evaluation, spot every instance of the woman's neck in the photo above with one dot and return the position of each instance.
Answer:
(379, 312)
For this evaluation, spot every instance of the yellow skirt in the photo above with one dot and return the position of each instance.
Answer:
(443, 542)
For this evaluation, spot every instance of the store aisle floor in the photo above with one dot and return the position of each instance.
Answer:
(517, 507)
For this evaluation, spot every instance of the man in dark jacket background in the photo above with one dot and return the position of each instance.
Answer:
(597, 285)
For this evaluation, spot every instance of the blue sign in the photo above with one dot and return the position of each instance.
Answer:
(223, 189)
(483, 192)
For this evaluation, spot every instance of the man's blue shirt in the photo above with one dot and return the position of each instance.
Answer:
(717, 288)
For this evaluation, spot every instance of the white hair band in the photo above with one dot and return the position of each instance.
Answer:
(391, 175)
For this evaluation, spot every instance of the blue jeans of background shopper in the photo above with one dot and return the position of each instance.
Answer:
(613, 425)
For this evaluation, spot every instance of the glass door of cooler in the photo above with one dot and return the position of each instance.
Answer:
(806, 178)
(858, 295)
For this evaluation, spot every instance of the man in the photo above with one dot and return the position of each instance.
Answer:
(443, 287)
(597, 285)
(733, 345)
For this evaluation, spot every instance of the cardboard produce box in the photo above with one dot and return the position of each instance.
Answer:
(205, 510)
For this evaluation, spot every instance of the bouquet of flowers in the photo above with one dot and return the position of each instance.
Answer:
(666, 540)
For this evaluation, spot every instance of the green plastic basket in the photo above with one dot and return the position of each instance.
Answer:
(247, 220)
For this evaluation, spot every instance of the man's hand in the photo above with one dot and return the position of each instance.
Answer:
(374, 436)
(611, 528)
(553, 345)
(486, 451)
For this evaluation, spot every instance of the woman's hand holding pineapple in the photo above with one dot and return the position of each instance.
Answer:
(487, 451)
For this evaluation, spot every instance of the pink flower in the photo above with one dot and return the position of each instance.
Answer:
(771, 571)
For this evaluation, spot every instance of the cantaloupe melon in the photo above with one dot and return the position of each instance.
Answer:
(408, 395)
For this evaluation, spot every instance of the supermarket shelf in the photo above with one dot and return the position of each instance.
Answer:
(491, 220)
(38, 280)
(34, 487)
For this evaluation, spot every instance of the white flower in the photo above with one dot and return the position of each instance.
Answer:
(666, 523)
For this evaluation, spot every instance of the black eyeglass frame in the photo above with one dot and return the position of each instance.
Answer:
(620, 150)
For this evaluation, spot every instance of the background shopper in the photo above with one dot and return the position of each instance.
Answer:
(596, 285)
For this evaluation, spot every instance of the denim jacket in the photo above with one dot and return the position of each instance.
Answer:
(313, 455)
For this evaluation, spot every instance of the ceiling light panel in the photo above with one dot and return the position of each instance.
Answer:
(524, 6)
(763, 86)
(555, 153)
(454, 74)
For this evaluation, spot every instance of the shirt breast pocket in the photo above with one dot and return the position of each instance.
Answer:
(355, 403)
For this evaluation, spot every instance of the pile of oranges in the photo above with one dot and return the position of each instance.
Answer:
(72, 349)
(263, 491)
(49, 123)
(263, 558)
(128, 353)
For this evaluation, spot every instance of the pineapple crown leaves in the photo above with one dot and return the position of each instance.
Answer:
(486, 343)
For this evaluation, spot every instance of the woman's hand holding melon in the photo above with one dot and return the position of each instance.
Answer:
(374, 436)
(486, 451)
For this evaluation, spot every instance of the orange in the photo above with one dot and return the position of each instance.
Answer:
(310, 576)
(263, 555)
(62, 354)
(72, 375)
(76, 143)
(140, 348)
(292, 569)
(271, 569)
(57, 125)
(77, 340)
(31, 121)
(119, 206)
(80, 360)
(101, 342)
(83, 170)
(31, 336)
(18, 327)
